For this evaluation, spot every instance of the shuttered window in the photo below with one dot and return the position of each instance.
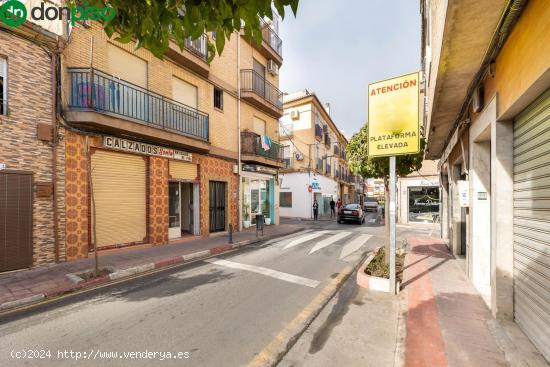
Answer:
(183, 170)
(119, 193)
(126, 66)
(259, 126)
(184, 92)
(532, 222)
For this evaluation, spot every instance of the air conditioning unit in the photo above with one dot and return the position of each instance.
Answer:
(299, 157)
(272, 67)
(295, 114)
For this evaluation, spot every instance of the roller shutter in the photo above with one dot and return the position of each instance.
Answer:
(183, 170)
(532, 222)
(119, 192)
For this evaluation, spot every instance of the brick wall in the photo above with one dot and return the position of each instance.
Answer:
(29, 103)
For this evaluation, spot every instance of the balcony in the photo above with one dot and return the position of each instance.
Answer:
(107, 103)
(318, 132)
(260, 93)
(194, 56)
(255, 151)
(327, 140)
(336, 150)
(272, 45)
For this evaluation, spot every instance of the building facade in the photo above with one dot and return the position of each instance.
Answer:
(31, 199)
(487, 121)
(112, 147)
(314, 157)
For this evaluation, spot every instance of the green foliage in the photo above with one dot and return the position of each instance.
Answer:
(153, 23)
(379, 167)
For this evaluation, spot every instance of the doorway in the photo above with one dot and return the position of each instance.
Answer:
(182, 203)
(217, 206)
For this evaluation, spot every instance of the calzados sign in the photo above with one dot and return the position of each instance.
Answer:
(143, 148)
(394, 116)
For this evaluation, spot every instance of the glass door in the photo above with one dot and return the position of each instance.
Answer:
(174, 210)
(255, 204)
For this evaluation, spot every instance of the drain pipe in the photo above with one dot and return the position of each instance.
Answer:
(53, 70)
(240, 213)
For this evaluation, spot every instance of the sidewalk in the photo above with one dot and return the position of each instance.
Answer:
(437, 320)
(32, 285)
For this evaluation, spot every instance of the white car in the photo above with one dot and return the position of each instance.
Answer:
(370, 204)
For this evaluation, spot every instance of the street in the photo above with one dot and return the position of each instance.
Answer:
(222, 311)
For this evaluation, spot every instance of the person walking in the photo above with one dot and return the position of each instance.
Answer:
(332, 208)
(338, 204)
(315, 209)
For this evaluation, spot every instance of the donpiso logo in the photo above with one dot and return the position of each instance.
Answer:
(13, 13)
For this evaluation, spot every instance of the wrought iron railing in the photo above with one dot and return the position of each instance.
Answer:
(254, 144)
(336, 149)
(94, 90)
(252, 81)
(199, 46)
(318, 131)
(271, 37)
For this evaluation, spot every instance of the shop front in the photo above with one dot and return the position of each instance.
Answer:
(121, 192)
(258, 194)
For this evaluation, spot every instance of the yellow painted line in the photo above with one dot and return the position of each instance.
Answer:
(270, 355)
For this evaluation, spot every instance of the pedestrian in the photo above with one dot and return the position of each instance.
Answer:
(315, 209)
(332, 207)
(338, 204)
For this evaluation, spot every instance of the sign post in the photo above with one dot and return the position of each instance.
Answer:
(392, 224)
(394, 129)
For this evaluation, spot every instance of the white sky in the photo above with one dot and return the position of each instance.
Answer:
(337, 47)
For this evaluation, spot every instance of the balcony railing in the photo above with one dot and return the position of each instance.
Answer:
(251, 143)
(327, 139)
(318, 131)
(336, 149)
(271, 37)
(252, 81)
(199, 46)
(319, 165)
(107, 94)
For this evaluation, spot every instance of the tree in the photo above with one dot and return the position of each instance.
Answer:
(379, 167)
(153, 23)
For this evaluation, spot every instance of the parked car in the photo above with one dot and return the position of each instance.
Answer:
(351, 213)
(371, 203)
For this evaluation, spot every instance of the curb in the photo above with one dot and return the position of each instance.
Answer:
(370, 282)
(124, 273)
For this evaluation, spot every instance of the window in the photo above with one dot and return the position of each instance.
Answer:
(218, 98)
(259, 126)
(184, 92)
(285, 199)
(3, 86)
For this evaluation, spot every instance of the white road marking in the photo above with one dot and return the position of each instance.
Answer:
(303, 239)
(286, 238)
(372, 220)
(329, 241)
(354, 245)
(267, 272)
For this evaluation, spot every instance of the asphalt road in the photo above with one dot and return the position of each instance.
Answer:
(224, 311)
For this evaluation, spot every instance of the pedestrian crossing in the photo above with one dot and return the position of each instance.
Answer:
(349, 242)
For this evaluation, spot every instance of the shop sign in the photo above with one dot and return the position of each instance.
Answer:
(143, 148)
(259, 169)
(2, 166)
(394, 116)
(315, 185)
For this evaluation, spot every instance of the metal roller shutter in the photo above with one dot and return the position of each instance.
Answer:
(183, 170)
(532, 222)
(119, 191)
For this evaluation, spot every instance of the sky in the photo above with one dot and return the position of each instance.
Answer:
(335, 48)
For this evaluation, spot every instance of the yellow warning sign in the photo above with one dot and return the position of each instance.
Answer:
(394, 116)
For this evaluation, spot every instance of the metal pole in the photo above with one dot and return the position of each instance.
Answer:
(391, 217)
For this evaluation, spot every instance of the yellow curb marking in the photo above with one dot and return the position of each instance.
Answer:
(269, 354)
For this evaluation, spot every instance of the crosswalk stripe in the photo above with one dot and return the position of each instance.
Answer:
(281, 240)
(329, 241)
(354, 245)
(267, 272)
(303, 239)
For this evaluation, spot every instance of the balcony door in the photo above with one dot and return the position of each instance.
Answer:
(126, 95)
(181, 118)
(258, 78)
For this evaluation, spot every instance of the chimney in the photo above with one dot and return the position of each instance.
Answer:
(327, 108)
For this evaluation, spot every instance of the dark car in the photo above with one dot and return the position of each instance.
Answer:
(351, 213)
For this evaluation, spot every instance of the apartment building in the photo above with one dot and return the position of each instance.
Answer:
(487, 122)
(30, 179)
(152, 146)
(314, 157)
